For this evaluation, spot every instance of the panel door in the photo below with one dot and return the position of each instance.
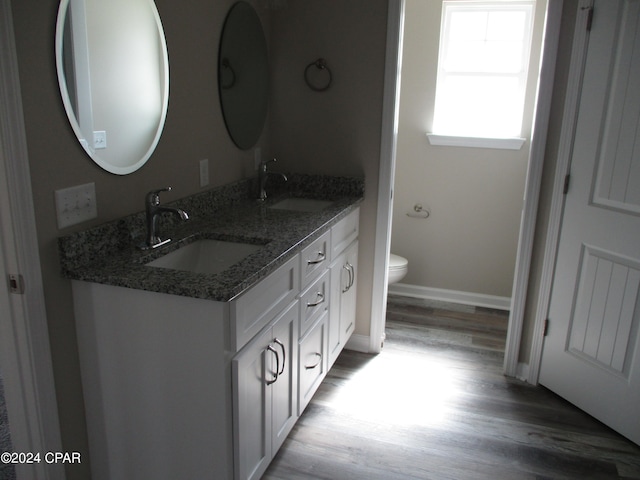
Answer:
(350, 286)
(285, 389)
(590, 354)
(253, 369)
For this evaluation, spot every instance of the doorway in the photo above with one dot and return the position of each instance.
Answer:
(532, 186)
(464, 250)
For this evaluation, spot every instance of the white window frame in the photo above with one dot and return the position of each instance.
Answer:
(452, 138)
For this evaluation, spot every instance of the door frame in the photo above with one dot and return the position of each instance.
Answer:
(567, 135)
(532, 184)
(388, 140)
(25, 358)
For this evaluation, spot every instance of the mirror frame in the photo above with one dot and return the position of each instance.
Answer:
(135, 163)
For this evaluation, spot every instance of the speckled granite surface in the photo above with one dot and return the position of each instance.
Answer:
(108, 253)
(7, 470)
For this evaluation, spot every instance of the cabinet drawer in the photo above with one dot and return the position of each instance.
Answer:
(344, 232)
(313, 361)
(254, 309)
(314, 259)
(313, 301)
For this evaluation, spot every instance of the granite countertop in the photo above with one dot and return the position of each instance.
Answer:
(108, 253)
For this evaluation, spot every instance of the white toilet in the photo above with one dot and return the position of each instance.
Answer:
(398, 268)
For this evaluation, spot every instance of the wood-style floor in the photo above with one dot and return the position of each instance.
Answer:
(435, 405)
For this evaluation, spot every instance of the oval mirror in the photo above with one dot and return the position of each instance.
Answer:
(113, 72)
(243, 75)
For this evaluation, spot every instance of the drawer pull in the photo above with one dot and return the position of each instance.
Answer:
(275, 375)
(284, 355)
(321, 257)
(320, 297)
(311, 367)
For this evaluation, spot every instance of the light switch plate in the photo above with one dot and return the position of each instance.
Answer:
(76, 204)
(99, 140)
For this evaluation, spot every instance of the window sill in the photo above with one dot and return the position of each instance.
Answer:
(476, 142)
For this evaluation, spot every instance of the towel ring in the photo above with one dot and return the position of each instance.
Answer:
(320, 64)
(226, 65)
(419, 212)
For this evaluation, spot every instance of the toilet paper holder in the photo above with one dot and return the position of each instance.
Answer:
(419, 212)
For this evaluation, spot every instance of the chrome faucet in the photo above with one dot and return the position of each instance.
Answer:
(153, 209)
(263, 175)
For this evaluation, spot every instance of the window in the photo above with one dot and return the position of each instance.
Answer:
(482, 68)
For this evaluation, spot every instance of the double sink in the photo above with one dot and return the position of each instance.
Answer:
(215, 256)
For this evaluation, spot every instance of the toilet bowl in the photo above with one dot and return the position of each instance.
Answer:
(398, 268)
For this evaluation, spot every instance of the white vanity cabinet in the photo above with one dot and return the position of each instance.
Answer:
(265, 388)
(156, 380)
(181, 387)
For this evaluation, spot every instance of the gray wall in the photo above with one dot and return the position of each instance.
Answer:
(337, 132)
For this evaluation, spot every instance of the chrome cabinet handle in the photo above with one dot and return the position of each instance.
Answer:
(320, 259)
(311, 367)
(346, 267)
(352, 277)
(353, 274)
(275, 375)
(319, 295)
(284, 355)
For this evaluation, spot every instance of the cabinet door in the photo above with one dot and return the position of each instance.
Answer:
(253, 369)
(285, 389)
(342, 315)
(338, 278)
(348, 299)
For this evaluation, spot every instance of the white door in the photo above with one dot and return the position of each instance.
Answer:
(591, 353)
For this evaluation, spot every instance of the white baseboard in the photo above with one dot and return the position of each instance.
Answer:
(359, 343)
(453, 296)
(522, 372)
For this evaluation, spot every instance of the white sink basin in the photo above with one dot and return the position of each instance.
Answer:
(301, 204)
(205, 256)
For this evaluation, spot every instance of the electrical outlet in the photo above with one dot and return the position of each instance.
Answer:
(204, 172)
(76, 204)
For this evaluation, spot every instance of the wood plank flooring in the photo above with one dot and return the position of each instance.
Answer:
(435, 405)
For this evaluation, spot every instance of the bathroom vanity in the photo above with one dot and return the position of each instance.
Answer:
(202, 375)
